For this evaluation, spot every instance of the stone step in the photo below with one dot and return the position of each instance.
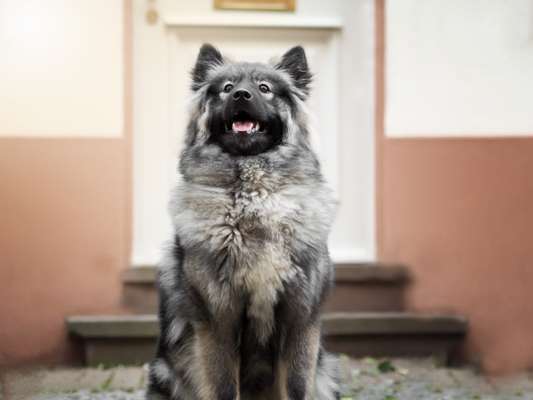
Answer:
(131, 339)
(358, 287)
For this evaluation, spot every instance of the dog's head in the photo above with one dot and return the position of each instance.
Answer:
(247, 108)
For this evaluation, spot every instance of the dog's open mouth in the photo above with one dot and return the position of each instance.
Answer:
(243, 123)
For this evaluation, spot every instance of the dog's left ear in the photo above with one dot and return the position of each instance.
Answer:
(208, 57)
(294, 62)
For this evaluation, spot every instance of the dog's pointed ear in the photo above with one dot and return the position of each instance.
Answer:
(208, 57)
(294, 62)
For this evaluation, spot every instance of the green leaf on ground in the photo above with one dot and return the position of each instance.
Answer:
(106, 385)
(386, 366)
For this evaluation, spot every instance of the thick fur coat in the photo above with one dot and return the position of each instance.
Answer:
(242, 284)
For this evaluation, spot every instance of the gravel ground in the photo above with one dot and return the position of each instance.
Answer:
(92, 395)
(401, 379)
(363, 379)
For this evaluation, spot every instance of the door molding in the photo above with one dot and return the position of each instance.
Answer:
(254, 21)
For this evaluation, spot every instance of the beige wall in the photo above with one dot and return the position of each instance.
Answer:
(65, 207)
(61, 70)
(459, 68)
(459, 213)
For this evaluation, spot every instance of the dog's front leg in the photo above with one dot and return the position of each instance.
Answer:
(297, 366)
(215, 371)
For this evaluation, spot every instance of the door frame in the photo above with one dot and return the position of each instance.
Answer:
(352, 29)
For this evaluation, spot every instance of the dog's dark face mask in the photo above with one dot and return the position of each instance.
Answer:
(248, 103)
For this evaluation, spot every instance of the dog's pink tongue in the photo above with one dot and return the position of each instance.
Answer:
(242, 126)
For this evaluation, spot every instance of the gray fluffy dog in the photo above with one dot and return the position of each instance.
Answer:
(242, 285)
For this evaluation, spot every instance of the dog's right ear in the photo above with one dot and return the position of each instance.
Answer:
(208, 58)
(294, 62)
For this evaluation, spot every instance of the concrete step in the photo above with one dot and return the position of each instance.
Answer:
(131, 339)
(358, 287)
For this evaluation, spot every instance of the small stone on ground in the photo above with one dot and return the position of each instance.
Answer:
(362, 379)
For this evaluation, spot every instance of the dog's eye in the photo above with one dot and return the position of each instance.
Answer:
(264, 88)
(228, 87)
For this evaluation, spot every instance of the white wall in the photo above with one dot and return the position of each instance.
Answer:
(61, 68)
(459, 68)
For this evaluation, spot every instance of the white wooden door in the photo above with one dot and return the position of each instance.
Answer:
(338, 38)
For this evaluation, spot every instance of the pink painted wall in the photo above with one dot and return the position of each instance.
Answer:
(63, 241)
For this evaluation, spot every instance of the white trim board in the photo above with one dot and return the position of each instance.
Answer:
(253, 21)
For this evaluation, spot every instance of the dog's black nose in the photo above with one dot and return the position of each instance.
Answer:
(242, 94)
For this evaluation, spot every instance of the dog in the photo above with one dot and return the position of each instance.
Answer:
(242, 283)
